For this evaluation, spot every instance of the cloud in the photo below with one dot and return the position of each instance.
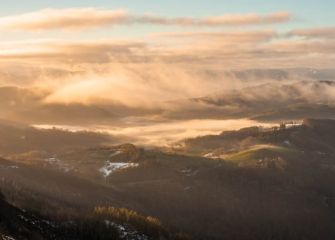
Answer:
(71, 51)
(189, 46)
(138, 86)
(143, 85)
(225, 49)
(326, 32)
(236, 37)
(147, 74)
(302, 47)
(74, 18)
(225, 20)
(159, 47)
(249, 49)
(141, 72)
(138, 74)
(268, 99)
(247, 19)
(85, 18)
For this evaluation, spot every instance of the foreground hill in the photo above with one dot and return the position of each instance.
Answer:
(62, 206)
(102, 223)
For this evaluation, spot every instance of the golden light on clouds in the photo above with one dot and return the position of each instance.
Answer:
(174, 70)
(86, 18)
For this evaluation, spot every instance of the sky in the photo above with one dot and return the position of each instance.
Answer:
(307, 13)
(302, 8)
(125, 61)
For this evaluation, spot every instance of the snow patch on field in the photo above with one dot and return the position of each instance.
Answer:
(211, 155)
(111, 167)
(4, 237)
(126, 233)
(58, 163)
(10, 167)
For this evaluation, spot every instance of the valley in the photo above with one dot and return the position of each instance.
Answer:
(275, 176)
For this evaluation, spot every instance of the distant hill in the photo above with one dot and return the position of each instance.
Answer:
(20, 138)
(312, 135)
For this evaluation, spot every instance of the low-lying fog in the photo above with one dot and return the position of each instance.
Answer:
(162, 134)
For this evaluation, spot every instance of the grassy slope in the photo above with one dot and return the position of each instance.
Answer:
(258, 153)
